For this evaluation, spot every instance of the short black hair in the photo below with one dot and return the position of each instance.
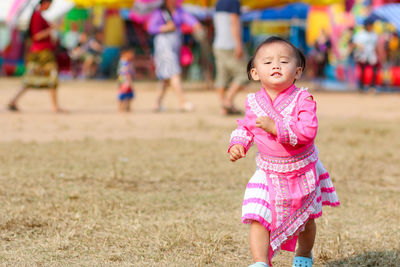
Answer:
(126, 48)
(301, 59)
(368, 21)
(45, 1)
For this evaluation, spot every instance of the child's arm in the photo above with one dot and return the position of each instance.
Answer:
(242, 138)
(299, 129)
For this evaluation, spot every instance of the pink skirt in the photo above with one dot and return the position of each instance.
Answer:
(268, 208)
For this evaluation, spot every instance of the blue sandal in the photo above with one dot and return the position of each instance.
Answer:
(303, 261)
(259, 264)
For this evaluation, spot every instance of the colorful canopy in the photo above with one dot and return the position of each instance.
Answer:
(252, 4)
(296, 10)
(261, 4)
(104, 3)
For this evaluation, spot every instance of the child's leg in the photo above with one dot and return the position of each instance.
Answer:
(176, 83)
(128, 105)
(306, 240)
(53, 96)
(161, 94)
(259, 242)
(121, 105)
(12, 105)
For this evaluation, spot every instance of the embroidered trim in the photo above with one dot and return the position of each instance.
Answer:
(287, 164)
(292, 225)
(289, 100)
(286, 111)
(292, 136)
(260, 107)
(287, 118)
(240, 136)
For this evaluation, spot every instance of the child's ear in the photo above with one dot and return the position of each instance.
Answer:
(299, 71)
(254, 74)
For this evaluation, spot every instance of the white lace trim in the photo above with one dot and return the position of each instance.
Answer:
(286, 167)
(255, 108)
(240, 133)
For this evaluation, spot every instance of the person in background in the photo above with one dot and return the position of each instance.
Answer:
(71, 38)
(165, 24)
(365, 52)
(77, 54)
(229, 54)
(322, 46)
(125, 78)
(41, 66)
(93, 52)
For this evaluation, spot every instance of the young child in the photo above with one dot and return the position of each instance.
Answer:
(125, 78)
(290, 184)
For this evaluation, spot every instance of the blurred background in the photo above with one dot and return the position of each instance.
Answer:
(322, 29)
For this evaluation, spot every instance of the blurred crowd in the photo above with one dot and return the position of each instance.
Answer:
(366, 55)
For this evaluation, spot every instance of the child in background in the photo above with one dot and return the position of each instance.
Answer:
(290, 184)
(125, 78)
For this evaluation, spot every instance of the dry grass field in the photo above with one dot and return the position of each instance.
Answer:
(93, 187)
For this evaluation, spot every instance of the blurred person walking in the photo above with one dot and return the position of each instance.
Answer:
(365, 44)
(92, 54)
(165, 24)
(41, 66)
(322, 46)
(229, 54)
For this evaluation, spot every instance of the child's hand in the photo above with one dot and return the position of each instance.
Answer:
(237, 152)
(169, 26)
(267, 124)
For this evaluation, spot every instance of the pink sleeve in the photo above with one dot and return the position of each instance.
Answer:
(242, 134)
(301, 128)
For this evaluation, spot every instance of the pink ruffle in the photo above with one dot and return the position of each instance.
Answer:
(248, 218)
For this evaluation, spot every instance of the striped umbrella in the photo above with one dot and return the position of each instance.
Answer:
(390, 13)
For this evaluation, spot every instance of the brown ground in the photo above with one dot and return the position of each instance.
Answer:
(93, 187)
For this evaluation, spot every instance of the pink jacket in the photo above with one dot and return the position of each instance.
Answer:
(294, 112)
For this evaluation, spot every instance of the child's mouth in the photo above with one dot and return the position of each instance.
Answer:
(276, 74)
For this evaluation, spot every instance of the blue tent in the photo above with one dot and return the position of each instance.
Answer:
(290, 11)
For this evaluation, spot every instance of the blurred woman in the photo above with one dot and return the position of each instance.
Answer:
(41, 66)
(165, 24)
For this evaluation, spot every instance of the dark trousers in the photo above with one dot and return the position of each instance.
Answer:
(374, 74)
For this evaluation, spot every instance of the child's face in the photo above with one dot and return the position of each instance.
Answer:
(128, 55)
(275, 66)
